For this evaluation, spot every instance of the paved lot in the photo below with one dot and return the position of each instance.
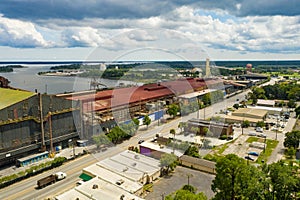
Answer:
(202, 181)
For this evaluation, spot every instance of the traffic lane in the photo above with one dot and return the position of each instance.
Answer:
(21, 189)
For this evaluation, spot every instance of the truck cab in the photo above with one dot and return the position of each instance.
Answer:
(60, 175)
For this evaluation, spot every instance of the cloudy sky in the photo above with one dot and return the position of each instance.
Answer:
(149, 29)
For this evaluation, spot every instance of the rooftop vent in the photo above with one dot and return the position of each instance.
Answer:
(120, 182)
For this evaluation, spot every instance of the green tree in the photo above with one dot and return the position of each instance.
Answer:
(147, 121)
(245, 124)
(129, 128)
(173, 110)
(230, 171)
(187, 192)
(136, 121)
(292, 139)
(297, 110)
(285, 182)
(195, 129)
(206, 143)
(182, 125)
(260, 124)
(101, 139)
(172, 131)
(236, 106)
(116, 134)
(259, 92)
(291, 103)
(189, 188)
(192, 151)
(168, 161)
(206, 99)
(290, 152)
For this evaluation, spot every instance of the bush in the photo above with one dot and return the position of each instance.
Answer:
(223, 137)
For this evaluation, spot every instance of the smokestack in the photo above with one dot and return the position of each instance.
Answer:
(207, 68)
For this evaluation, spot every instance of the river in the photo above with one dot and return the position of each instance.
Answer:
(28, 79)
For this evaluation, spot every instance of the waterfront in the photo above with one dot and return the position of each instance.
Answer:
(28, 79)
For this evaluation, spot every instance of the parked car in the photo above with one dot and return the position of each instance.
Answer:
(262, 135)
(259, 129)
(249, 158)
(79, 182)
(251, 133)
(141, 141)
(253, 153)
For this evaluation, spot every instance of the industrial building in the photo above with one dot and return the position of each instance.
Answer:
(33, 122)
(102, 110)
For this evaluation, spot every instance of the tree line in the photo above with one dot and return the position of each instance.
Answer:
(236, 179)
(283, 91)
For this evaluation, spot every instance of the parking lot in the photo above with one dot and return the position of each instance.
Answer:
(278, 126)
(181, 176)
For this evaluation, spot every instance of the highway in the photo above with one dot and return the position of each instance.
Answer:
(26, 189)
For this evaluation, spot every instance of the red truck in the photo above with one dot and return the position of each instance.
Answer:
(51, 179)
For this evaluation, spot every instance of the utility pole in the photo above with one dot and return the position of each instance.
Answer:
(276, 129)
(242, 127)
(50, 132)
(163, 196)
(43, 148)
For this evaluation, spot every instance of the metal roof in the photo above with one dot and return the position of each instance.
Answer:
(10, 96)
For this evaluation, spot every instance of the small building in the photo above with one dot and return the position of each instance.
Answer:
(21, 162)
(270, 110)
(236, 119)
(252, 76)
(251, 113)
(217, 128)
(199, 164)
(155, 150)
(264, 102)
(185, 99)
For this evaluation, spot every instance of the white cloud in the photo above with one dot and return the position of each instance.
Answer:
(82, 36)
(18, 33)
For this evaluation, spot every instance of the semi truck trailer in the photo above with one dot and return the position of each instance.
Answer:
(52, 178)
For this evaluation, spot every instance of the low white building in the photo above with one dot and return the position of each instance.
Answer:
(265, 102)
(270, 110)
(155, 150)
(97, 189)
(133, 166)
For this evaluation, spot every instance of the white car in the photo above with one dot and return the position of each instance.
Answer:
(262, 135)
(259, 129)
(252, 133)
